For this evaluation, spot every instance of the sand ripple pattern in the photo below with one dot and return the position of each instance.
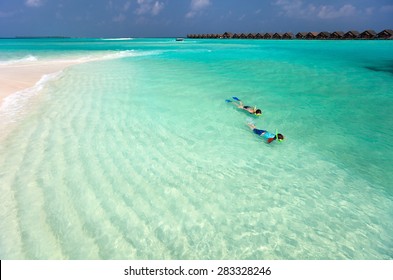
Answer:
(110, 168)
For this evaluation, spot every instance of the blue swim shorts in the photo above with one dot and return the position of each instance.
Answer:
(258, 131)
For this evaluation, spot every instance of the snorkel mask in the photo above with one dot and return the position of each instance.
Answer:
(279, 140)
(257, 114)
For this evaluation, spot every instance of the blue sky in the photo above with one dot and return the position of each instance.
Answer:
(168, 18)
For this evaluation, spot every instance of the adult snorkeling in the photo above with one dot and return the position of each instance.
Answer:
(268, 136)
(239, 104)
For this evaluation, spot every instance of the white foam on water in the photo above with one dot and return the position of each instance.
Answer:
(106, 56)
(28, 58)
(117, 39)
(14, 104)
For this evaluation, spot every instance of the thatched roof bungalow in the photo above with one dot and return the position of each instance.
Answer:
(312, 35)
(323, 35)
(259, 36)
(337, 35)
(277, 35)
(288, 35)
(368, 34)
(301, 35)
(227, 35)
(385, 34)
(351, 34)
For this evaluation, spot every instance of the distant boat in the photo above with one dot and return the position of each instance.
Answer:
(179, 39)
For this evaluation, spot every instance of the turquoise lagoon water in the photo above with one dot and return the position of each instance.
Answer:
(135, 155)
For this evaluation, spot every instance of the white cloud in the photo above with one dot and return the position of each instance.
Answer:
(157, 7)
(197, 6)
(329, 12)
(299, 9)
(149, 7)
(290, 8)
(34, 3)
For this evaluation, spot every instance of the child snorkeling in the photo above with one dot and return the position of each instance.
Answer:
(268, 136)
(252, 110)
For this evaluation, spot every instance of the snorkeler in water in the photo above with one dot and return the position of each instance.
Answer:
(268, 136)
(239, 104)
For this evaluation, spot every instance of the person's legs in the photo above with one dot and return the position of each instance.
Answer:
(251, 126)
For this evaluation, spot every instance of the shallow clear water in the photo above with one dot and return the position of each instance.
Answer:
(135, 154)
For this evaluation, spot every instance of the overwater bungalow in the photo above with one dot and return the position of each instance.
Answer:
(301, 35)
(312, 35)
(351, 34)
(277, 35)
(323, 35)
(259, 36)
(227, 35)
(385, 34)
(337, 35)
(288, 35)
(368, 34)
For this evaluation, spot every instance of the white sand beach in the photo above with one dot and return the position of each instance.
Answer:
(25, 74)
(20, 76)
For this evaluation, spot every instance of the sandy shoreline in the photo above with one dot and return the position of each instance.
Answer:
(19, 76)
(16, 78)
